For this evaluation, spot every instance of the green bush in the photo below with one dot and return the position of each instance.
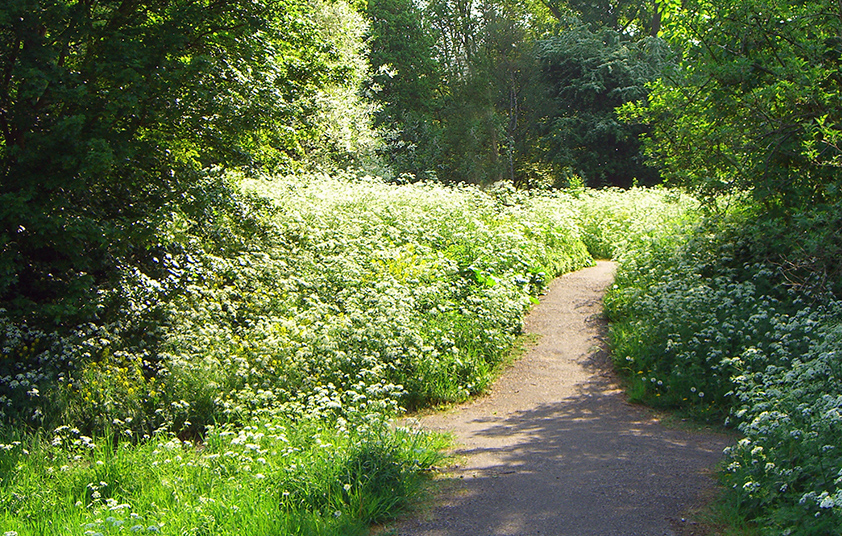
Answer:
(697, 325)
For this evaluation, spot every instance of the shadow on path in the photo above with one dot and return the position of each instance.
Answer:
(584, 463)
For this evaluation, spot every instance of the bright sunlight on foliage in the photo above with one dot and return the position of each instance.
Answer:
(247, 383)
(192, 342)
(696, 325)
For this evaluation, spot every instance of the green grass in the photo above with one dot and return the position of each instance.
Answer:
(262, 479)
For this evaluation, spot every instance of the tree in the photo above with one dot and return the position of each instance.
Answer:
(634, 17)
(589, 72)
(756, 104)
(507, 63)
(755, 108)
(406, 84)
(343, 120)
(488, 65)
(498, 89)
(108, 111)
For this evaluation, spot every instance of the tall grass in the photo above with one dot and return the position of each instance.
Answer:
(267, 478)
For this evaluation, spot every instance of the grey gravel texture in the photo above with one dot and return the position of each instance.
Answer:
(555, 449)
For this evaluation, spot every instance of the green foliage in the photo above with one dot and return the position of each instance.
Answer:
(342, 122)
(245, 381)
(635, 17)
(755, 103)
(614, 223)
(805, 247)
(267, 478)
(460, 100)
(320, 304)
(109, 111)
(498, 90)
(701, 322)
(788, 466)
(589, 72)
(405, 83)
(47, 371)
(406, 70)
(336, 299)
(744, 309)
(493, 106)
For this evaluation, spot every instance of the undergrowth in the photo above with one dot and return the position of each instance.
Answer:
(240, 376)
(712, 320)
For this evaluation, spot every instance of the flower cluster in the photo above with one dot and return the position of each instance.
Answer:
(302, 296)
(364, 297)
(737, 344)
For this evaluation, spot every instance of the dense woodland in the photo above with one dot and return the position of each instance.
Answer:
(206, 206)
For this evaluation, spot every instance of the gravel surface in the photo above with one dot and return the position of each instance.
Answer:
(555, 449)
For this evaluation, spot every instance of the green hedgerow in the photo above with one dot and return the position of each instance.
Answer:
(701, 322)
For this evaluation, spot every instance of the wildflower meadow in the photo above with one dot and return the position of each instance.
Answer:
(249, 383)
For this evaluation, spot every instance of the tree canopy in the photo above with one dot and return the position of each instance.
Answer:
(755, 103)
(488, 90)
(110, 110)
(589, 74)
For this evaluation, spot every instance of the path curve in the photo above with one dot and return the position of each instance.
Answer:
(555, 449)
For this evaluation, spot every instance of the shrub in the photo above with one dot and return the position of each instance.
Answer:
(701, 322)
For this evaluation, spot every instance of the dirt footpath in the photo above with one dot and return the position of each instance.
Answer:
(556, 450)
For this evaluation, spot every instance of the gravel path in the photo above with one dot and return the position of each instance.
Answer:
(556, 450)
